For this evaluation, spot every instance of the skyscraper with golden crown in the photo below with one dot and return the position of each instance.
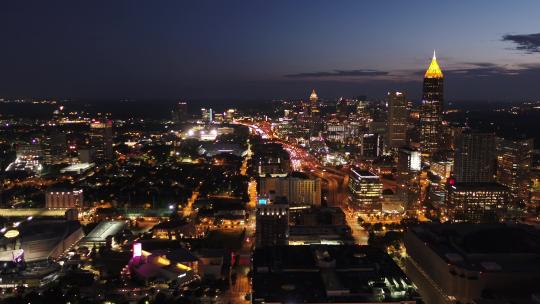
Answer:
(314, 114)
(431, 112)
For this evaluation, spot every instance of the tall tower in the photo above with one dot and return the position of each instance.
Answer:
(315, 114)
(101, 139)
(397, 120)
(432, 109)
(474, 159)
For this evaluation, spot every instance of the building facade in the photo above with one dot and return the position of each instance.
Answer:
(272, 225)
(431, 113)
(476, 202)
(297, 188)
(514, 161)
(101, 140)
(63, 199)
(474, 159)
(365, 190)
(397, 120)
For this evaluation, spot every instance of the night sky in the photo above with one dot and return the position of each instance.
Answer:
(488, 50)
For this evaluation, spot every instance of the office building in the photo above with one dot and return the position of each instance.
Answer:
(474, 263)
(314, 115)
(365, 190)
(271, 158)
(272, 225)
(371, 145)
(431, 113)
(180, 113)
(514, 161)
(54, 147)
(408, 161)
(297, 188)
(442, 168)
(476, 202)
(63, 199)
(101, 140)
(474, 159)
(397, 120)
(207, 115)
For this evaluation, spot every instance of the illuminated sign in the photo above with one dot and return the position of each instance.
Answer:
(137, 250)
(263, 201)
(12, 234)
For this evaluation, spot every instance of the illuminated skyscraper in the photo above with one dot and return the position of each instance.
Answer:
(314, 115)
(432, 109)
(397, 120)
(180, 113)
(272, 225)
(101, 140)
(365, 190)
(514, 158)
(474, 159)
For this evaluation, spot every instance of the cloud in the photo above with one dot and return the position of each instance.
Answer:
(340, 73)
(530, 43)
(483, 69)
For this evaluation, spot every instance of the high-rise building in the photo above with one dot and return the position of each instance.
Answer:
(314, 115)
(63, 199)
(474, 160)
(371, 145)
(180, 113)
(54, 147)
(476, 202)
(271, 159)
(408, 165)
(365, 190)
(431, 113)
(272, 225)
(408, 161)
(207, 115)
(297, 188)
(514, 161)
(101, 140)
(397, 120)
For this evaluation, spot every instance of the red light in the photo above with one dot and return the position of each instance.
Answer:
(452, 182)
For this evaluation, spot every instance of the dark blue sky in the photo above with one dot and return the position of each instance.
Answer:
(489, 50)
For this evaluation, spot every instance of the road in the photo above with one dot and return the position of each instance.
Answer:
(336, 181)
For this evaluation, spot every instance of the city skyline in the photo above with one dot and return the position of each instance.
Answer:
(257, 50)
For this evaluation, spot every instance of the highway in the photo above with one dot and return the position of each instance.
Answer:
(335, 181)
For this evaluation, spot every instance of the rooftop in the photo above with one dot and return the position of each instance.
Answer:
(484, 247)
(434, 71)
(322, 273)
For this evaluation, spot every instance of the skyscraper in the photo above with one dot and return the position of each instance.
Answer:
(514, 159)
(101, 139)
(180, 113)
(272, 225)
(314, 115)
(432, 109)
(397, 120)
(474, 160)
(365, 190)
